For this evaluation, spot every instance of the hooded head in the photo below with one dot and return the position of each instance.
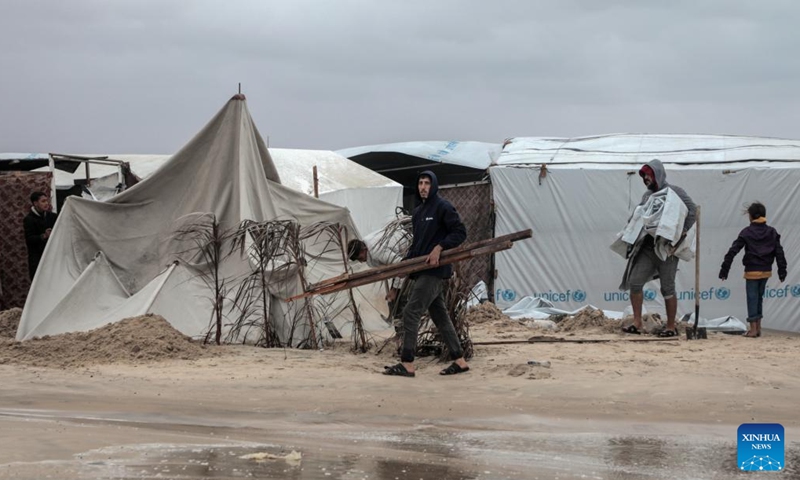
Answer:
(427, 185)
(357, 250)
(654, 175)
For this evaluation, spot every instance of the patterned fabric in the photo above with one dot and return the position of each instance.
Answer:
(474, 204)
(15, 203)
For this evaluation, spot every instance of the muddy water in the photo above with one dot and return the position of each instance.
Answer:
(527, 448)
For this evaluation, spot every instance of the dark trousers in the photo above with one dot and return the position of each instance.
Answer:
(427, 294)
(755, 298)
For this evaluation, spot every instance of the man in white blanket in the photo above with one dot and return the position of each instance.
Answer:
(653, 250)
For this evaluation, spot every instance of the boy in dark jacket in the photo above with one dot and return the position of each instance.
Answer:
(436, 227)
(762, 246)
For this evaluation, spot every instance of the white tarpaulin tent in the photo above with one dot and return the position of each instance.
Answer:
(371, 198)
(582, 198)
(453, 162)
(110, 260)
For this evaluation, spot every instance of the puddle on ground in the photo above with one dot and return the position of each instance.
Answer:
(427, 452)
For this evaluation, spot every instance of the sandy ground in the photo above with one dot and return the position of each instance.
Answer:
(69, 394)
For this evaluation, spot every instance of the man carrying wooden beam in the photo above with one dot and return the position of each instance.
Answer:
(436, 227)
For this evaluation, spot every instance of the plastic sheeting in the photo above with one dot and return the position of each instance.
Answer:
(576, 212)
(477, 155)
(637, 149)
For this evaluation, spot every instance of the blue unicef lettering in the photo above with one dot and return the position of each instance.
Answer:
(509, 295)
(649, 295)
(578, 296)
(722, 293)
(796, 290)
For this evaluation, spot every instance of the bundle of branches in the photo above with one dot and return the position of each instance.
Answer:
(270, 253)
(210, 244)
(396, 236)
(331, 239)
(276, 251)
(429, 341)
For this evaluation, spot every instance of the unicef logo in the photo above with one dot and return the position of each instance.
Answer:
(722, 293)
(796, 290)
(509, 295)
(578, 296)
(649, 295)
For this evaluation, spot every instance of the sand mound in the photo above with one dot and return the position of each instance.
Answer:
(141, 339)
(484, 313)
(9, 321)
(589, 319)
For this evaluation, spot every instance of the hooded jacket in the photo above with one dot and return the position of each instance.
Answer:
(661, 183)
(762, 246)
(435, 222)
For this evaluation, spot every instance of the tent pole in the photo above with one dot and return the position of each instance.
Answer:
(316, 183)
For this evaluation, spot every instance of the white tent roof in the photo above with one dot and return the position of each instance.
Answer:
(637, 149)
(478, 155)
(335, 172)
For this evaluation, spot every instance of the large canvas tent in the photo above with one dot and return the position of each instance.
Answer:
(110, 260)
(577, 193)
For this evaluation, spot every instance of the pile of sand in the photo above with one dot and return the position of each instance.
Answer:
(484, 313)
(9, 321)
(141, 339)
(589, 319)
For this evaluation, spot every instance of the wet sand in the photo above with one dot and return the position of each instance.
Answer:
(609, 410)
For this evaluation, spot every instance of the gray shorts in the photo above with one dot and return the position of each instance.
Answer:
(646, 265)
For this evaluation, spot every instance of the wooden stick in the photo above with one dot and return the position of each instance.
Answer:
(573, 340)
(379, 274)
(316, 182)
(696, 270)
(512, 237)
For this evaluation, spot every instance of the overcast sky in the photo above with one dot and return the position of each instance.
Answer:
(144, 76)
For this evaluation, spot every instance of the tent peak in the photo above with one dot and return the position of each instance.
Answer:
(238, 96)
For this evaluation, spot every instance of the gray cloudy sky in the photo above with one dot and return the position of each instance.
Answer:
(144, 76)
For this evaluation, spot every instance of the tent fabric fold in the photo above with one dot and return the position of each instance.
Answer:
(225, 171)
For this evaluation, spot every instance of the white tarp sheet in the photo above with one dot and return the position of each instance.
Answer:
(638, 149)
(478, 155)
(575, 212)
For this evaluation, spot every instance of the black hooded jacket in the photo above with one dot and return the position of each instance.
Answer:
(435, 222)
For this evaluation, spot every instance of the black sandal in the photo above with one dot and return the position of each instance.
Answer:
(668, 333)
(453, 369)
(398, 370)
(632, 330)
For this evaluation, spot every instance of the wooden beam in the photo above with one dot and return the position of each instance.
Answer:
(412, 265)
(512, 237)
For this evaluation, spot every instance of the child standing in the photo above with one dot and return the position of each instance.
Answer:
(762, 246)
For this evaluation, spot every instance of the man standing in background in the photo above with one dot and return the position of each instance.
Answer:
(38, 225)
